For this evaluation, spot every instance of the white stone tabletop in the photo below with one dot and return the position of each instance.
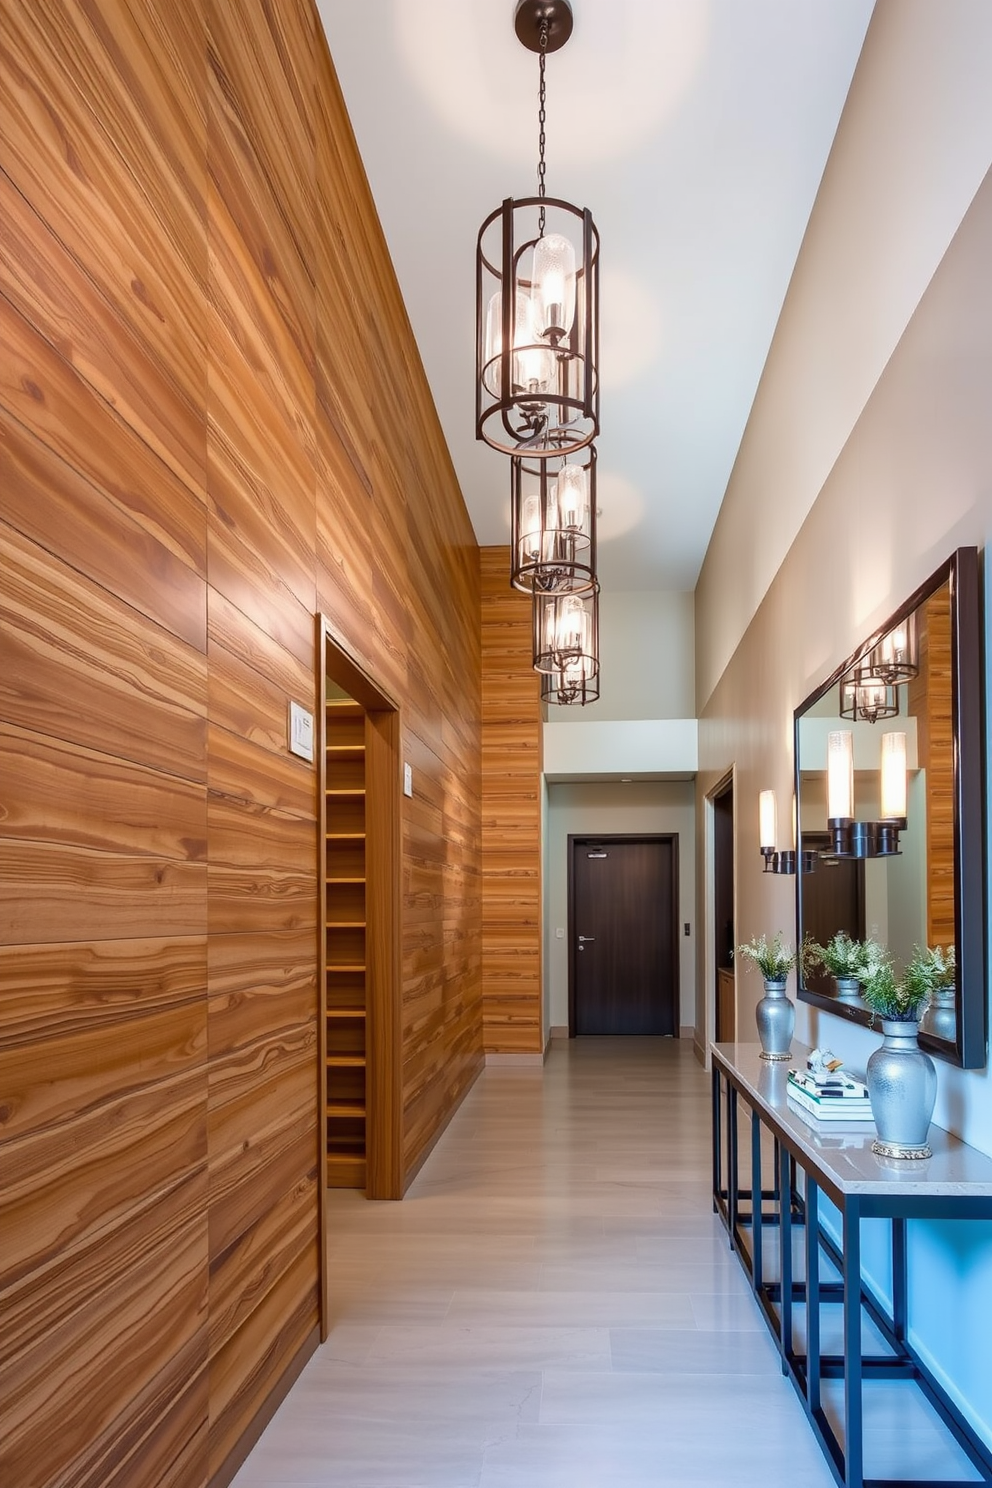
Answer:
(841, 1151)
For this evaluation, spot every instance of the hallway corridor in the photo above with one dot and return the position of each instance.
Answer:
(552, 1306)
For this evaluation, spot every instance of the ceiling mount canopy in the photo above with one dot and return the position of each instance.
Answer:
(532, 16)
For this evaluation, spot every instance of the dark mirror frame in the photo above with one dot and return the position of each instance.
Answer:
(961, 574)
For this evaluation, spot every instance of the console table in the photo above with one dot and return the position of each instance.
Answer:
(809, 1158)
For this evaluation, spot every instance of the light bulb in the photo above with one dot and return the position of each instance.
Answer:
(554, 286)
(530, 528)
(533, 362)
(573, 499)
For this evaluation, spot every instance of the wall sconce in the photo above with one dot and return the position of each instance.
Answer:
(778, 861)
(865, 839)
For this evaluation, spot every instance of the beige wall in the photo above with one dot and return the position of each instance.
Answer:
(646, 650)
(913, 146)
(913, 482)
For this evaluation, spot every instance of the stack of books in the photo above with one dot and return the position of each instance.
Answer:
(834, 1097)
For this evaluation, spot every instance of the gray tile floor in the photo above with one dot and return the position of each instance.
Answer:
(552, 1306)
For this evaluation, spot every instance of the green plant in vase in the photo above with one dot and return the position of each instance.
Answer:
(842, 958)
(774, 959)
(775, 1015)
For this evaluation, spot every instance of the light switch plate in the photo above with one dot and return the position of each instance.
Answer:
(407, 779)
(301, 731)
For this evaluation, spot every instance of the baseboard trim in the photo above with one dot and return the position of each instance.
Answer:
(238, 1454)
(558, 1031)
(688, 1032)
(523, 1060)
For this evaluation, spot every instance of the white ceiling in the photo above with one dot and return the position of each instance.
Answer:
(696, 131)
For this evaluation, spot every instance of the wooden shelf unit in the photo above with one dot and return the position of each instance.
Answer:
(345, 933)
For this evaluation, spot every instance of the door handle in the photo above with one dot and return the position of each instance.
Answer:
(586, 937)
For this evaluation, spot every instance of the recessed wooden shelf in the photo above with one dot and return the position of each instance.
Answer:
(344, 785)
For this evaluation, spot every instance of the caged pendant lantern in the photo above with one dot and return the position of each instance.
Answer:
(537, 298)
(553, 523)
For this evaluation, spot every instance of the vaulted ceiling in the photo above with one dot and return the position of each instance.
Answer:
(696, 131)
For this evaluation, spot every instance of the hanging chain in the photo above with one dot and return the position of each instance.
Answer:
(541, 119)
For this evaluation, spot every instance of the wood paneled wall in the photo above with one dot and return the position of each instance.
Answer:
(213, 421)
(511, 815)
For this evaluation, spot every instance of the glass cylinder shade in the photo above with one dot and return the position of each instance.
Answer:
(537, 328)
(840, 775)
(767, 819)
(893, 777)
(566, 631)
(553, 523)
(554, 286)
(868, 698)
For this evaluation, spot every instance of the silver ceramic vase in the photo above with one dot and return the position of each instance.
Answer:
(941, 1017)
(776, 1018)
(848, 989)
(902, 1087)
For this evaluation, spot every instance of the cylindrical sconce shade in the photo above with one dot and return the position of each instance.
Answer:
(893, 777)
(840, 775)
(767, 819)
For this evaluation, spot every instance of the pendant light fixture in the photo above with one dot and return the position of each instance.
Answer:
(566, 633)
(537, 298)
(896, 658)
(576, 683)
(553, 522)
(868, 698)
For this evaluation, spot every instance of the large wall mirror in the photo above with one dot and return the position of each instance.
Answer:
(910, 872)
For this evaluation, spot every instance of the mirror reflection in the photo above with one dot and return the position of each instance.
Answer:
(876, 807)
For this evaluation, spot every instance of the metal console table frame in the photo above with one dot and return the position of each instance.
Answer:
(956, 1183)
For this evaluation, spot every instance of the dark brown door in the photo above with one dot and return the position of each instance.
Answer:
(624, 948)
(833, 899)
(723, 910)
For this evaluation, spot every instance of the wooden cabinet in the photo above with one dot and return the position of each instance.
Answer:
(345, 951)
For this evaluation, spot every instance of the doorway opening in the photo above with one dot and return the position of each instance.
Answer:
(359, 1030)
(623, 954)
(724, 988)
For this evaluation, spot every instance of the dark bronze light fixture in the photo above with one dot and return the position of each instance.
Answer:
(553, 522)
(896, 658)
(577, 683)
(537, 298)
(869, 697)
(566, 633)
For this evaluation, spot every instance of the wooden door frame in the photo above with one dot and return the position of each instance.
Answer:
(607, 837)
(383, 765)
(727, 781)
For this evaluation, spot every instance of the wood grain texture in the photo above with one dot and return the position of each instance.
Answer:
(201, 331)
(75, 660)
(511, 816)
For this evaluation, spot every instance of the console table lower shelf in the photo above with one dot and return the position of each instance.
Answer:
(790, 1162)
